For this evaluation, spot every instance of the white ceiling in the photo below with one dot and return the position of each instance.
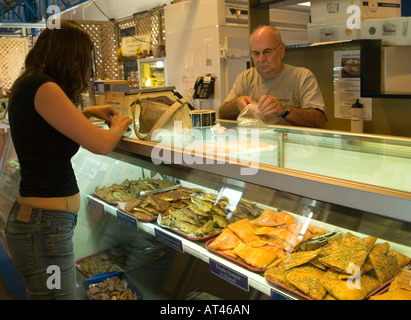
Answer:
(119, 9)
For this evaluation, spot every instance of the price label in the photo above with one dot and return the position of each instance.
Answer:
(229, 275)
(276, 295)
(169, 240)
(127, 220)
(95, 205)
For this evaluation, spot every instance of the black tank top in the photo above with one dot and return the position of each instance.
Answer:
(44, 153)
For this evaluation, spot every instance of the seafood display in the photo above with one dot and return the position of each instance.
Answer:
(191, 211)
(149, 207)
(347, 267)
(124, 257)
(96, 264)
(204, 217)
(129, 189)
(399, 288)
(263, 241)
(112, 288)
(311, 261)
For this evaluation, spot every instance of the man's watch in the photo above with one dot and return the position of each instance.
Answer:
(287, 111)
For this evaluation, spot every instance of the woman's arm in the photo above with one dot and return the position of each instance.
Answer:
(56, 108)
(104, 112)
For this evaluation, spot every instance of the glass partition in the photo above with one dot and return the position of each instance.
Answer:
(379, 161)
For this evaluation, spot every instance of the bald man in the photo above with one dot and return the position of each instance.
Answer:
(286, 95)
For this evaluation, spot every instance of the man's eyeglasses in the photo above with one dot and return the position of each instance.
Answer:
(266, 52)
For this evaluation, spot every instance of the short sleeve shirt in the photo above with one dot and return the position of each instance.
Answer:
(43, 152)
(295, 86)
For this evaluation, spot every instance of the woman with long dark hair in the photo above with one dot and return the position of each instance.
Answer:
(47, 129)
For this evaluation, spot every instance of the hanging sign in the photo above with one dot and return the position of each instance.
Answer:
(129, 45)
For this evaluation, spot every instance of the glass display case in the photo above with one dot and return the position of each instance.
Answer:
(152, 73)
(338, 181)
(334, 181)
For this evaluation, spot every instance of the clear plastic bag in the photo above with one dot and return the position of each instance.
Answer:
(251, 116)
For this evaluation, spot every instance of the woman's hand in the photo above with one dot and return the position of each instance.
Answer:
(108, 113)
(104, 112)
(120, 121)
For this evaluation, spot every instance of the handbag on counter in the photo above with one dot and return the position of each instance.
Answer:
(161, 113)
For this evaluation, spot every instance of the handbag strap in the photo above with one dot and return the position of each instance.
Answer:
(164, 118)
(133, 114)
(169, 113)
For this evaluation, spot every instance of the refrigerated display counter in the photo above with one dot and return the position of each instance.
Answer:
(338, 182)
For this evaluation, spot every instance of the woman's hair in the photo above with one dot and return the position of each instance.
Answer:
(64, 54)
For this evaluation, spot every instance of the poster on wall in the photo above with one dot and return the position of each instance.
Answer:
(347, 84)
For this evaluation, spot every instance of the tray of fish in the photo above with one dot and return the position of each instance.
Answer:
(398, 289)
(347, 267)
(111, 286)
(206, 214)
(262, 242)
(160, 202)
(97, 263)
(229, 255)
(129, 189)
(199, 220)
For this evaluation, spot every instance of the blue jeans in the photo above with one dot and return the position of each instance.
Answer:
(41, 246)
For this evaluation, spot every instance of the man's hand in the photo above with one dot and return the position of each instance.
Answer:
(230, 110)
(242, 102)
(271, 105)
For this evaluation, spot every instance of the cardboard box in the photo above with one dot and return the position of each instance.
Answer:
(325, 32)
(392, 32)
(336, 10)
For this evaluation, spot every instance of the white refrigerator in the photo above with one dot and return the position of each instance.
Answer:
(200, 42)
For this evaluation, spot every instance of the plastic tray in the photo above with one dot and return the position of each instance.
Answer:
(105, 252)
(386, 286)
(103, 199)
(383, 288)
(103, 276)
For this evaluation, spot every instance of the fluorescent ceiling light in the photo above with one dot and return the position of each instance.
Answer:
(306, 4)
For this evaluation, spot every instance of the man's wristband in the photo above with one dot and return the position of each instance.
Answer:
(287, 111)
